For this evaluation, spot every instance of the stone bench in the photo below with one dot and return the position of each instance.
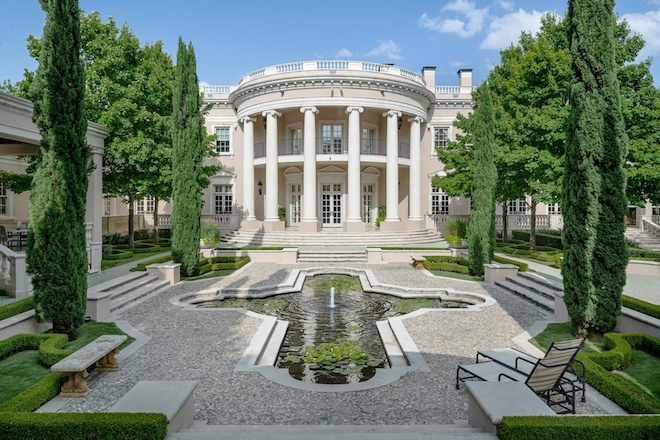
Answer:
(101, 350)
(417, 261)
(488, 402)
(172, 398)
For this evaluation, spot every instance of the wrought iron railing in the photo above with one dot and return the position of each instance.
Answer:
(294, 147)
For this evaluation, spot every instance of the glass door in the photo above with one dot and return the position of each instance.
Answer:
(331, 204)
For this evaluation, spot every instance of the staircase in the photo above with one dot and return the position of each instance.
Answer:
(537, 288)
(459, 430)
(321, 255)
(127, 290)
(643, 239)
(330, 238)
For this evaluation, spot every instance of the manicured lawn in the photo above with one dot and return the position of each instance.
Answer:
(22, 370)
(19, 372)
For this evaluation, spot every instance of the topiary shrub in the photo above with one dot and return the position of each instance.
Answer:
(106, 251)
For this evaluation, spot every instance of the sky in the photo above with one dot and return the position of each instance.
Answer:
(234, 38)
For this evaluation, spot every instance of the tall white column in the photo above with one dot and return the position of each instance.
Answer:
(272, 186)
(309, 221)
(248, 167)
(415, 192)
(353, 218)
(392, 171)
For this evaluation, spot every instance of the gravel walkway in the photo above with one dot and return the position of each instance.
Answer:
(205, 346)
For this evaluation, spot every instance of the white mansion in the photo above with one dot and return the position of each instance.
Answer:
(329, 142)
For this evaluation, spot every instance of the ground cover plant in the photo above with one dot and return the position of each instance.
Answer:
(340, 283)
(622, 366)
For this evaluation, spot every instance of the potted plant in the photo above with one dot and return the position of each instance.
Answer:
(457, 233)
(209, 233)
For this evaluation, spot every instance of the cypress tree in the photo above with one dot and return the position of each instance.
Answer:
(481, 229)
(187, 161)
(594, 203)
(56, 245)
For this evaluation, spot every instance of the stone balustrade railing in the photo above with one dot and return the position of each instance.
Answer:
(222, 221)
(651, 225)
(13, 275)
(514, 221)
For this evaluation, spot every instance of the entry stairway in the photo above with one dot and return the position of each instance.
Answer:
(330, 238)
(643, 239)
(538, 288)
(125, 291)
(459, 430)
(324, 255)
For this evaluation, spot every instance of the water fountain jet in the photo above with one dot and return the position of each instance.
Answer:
(332, 297)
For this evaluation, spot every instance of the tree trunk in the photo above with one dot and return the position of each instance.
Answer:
(156, 237)
(505, 220)
(131, 216)
(532, 227)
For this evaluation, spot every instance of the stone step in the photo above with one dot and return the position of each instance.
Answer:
(532, 296)
(128, 298)
(329, 432)
(533, 286)
(127, 287)
(117, 282)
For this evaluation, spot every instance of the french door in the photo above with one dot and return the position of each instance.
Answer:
(331, 194)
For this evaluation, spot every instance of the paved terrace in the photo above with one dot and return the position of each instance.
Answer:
(203, 346)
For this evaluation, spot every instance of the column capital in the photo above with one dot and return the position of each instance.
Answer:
(352, 109)
(418, 119)
(392, 113)
(309, 109)
(273, 113)
(247, 119)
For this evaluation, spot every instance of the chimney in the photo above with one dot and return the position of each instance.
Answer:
(465, 80)
(428, 72)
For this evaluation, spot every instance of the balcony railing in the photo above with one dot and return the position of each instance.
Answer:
(294, 147)
(332, 66)
(222, 221)
(514, 221)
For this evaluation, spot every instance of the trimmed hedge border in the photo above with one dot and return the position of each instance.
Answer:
(641, 306)
(142, 267)
(619, 348)
(50, 346)
(220, 263)
(447, 264)
(119, 254)
(16, 307)
(83, 426)
(579, 427)
(523, 267)
(552, 241)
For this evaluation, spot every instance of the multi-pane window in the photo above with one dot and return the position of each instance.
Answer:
(223, 199)
(440, 137)
(368, 140)
(294, 208)
(331, 139)
(222, 140)
(518, 206)
(106, 206)
(4, 199)
(439, 201)
(554, 209)
(144, 206)
(295, 140)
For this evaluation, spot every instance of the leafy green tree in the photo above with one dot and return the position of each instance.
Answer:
(481, 229)
(187, 160)
(56, 246)
(594, 202)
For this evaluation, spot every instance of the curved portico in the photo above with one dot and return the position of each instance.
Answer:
(325, 143)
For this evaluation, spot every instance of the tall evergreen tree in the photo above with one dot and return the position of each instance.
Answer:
(594, 203)
(481, 229)
(56, 247)
(187, 161)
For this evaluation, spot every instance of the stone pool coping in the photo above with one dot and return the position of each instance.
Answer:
(261, 353)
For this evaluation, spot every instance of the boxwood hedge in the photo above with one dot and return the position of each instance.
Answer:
(73, 426)
(16, 308)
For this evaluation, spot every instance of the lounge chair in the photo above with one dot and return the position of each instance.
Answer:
(546, 377)
(524, 363)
